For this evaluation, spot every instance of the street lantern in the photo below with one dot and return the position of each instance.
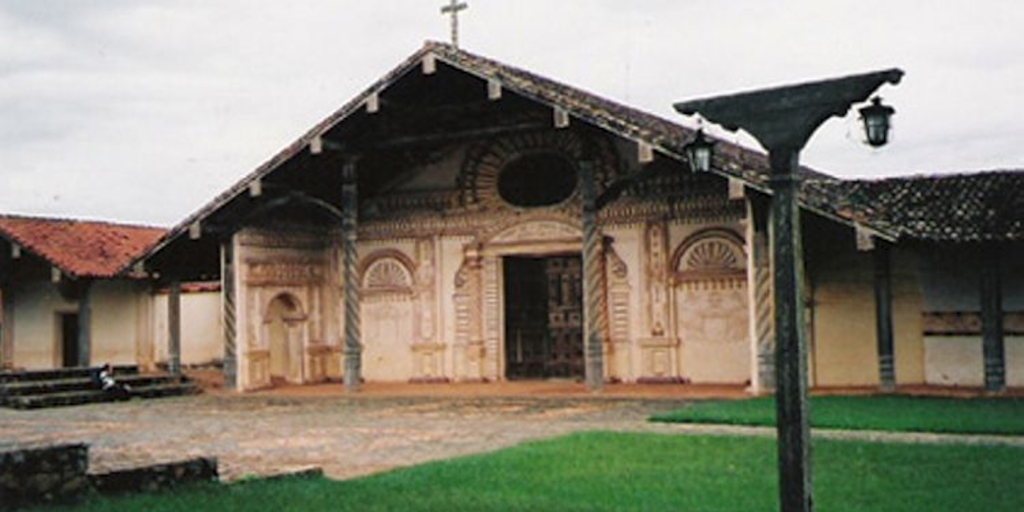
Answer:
(876, 121)
(698, 152)
(782, 119)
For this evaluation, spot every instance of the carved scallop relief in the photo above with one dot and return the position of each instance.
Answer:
(717, 253)
(387, 275)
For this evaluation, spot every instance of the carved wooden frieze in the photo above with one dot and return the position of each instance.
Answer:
(542, 230)
(967, 323)
(294, 272)
(295, 239)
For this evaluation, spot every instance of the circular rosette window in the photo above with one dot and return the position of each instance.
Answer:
(536, 180)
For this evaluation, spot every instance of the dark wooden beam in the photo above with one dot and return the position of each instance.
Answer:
(174, 327)
(883, 317)
(993, 348)
(84, 322)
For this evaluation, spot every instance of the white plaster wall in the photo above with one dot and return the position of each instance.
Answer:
(36, 329)
(202, 334)
(1014, 346)
(387, 340)
(959, 360)
(114, 323)
(114, 308)
(954, 361)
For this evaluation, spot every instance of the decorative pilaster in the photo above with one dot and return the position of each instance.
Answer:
(174, 327)
(883, 317)
(993, 349)
(593, 284)
(760, 277)
(353, 322)
(228, 300)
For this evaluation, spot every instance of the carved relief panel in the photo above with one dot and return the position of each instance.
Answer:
(711, 307)
(388, 315)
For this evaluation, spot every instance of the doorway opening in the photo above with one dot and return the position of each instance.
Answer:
(68, 325)
(543, 317)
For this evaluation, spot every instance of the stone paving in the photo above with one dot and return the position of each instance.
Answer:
(265, 434)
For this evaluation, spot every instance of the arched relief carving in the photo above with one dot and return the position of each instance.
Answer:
(286, 306)
(709, 255)
(712, 317)
(478, 180)
(387, 272)
(540, 228)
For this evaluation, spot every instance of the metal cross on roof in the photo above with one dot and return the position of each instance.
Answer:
(453, 8)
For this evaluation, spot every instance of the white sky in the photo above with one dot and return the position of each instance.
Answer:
(144, 110)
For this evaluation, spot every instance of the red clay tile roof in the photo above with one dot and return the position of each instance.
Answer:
(986, 206)
(80, 248)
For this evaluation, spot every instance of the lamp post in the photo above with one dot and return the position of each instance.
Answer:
(782, 119)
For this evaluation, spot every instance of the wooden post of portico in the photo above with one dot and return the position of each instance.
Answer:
(353, 334)
(227, 276)
(84, 322)
(174, 327)
(883, 317)
(993, 349)
(593, 275)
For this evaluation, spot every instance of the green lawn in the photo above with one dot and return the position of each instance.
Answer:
(641, 472)
(893, 413)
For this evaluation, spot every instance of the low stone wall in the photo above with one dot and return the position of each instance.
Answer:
(157, 477)
(47, 474)
(32, 475)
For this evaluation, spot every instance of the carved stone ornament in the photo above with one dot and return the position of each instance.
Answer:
(284, 272)
(387, 274)
(478, 180)
(709, 254)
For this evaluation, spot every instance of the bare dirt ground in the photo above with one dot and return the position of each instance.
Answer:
(293, 428)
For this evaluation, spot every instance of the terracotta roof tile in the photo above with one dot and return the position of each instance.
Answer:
(986, 206)
(80, 248)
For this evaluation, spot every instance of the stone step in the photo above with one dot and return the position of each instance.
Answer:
(39, 387)
(62, 373)
(69, 398)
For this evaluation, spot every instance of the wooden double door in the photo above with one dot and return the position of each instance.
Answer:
(543, 317)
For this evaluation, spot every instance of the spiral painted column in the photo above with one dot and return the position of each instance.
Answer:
(353, 342)
(227, 271)
(592, 281)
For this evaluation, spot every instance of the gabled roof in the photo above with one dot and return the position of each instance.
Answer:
(664, 136)
(80, 248)
(980, 207)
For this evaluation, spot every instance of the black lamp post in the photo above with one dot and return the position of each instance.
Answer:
(782, 119)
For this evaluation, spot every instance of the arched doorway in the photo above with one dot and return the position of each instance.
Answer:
(285, 325)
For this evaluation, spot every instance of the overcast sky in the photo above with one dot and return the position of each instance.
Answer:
(144, 110)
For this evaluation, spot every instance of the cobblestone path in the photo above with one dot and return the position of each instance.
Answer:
(353, 436)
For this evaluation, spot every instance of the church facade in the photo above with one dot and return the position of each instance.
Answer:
(467, 221)
(464, 220)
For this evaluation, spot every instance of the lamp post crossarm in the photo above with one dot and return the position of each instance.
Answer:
(786, 117)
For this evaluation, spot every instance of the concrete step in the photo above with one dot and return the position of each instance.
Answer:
(39, 387)
(166, 388)
(62, 373)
